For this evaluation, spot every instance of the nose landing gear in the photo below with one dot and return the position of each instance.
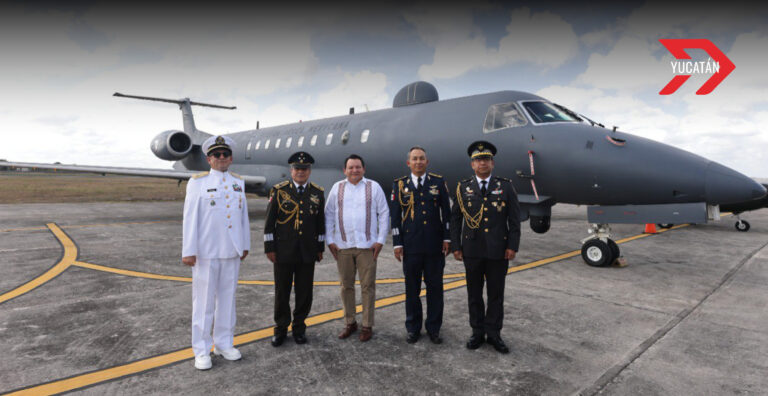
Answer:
(599, 250)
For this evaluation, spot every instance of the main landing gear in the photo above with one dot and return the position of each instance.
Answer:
(599, 250)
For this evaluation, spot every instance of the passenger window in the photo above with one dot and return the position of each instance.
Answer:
(503, 115)
(313, 140)
(345, 137)
(328, 139)
(300, 142)
(364, 136)
(277, 143)
(266, 145)
(288, 142)
(258, 144)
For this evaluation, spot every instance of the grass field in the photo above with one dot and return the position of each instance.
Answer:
(17, 187)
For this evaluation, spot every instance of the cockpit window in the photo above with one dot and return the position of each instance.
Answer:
(543, 112)
(503, 115)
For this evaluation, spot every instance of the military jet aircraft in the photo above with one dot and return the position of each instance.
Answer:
(551, 154)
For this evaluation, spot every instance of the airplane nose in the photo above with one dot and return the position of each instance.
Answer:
(724, 185)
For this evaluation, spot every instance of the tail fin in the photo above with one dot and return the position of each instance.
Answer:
(185, 105)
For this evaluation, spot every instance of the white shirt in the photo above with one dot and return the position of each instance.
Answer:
(415, 179)
(480, 182)
(352, 231)
(215, 217)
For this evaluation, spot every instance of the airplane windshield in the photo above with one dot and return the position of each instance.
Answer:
(543, 112)
(503, 115)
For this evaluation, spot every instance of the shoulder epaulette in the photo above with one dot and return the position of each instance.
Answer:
(199, 175)
(402, 178)
(467, 180)
(504, 178)
(435, 175)
(236, 176)
(281, 184)
(317, 186)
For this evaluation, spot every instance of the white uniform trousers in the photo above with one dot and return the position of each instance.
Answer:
(213, 303)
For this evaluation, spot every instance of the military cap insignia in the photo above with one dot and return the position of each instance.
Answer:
(220, 140)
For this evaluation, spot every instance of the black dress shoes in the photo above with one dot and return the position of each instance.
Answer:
(435, 338)
(475, 341)
(498, 344)
(412, 338)
(278, 340)
(300, 338)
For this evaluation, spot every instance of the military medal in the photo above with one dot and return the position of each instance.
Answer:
(236, 187)
(314, 198)
(213, 203)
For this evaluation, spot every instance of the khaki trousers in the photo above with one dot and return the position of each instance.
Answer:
(349, 262)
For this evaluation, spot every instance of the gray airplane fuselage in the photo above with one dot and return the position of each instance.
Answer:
(574, 162)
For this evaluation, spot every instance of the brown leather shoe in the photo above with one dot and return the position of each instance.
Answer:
(366, 333)
(348, 330)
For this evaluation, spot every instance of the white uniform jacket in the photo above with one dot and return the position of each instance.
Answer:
(216, 217)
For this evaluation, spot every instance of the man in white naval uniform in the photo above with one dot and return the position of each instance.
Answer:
(216, 239)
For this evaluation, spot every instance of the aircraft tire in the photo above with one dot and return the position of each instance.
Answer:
(665, 225)
(597, 253)
(742, 226)
(615, 251)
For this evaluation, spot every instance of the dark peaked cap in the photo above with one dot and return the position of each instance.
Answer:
(301, 160)
(481, 149)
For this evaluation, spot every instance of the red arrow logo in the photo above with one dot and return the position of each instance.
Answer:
(678, 46)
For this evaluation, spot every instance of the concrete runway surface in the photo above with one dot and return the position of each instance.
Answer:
(94, 299)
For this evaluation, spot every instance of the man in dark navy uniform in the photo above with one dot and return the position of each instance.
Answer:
(420, 212)
(294, 238)
(485, 234)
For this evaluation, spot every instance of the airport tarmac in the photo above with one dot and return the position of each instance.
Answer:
(94, 299)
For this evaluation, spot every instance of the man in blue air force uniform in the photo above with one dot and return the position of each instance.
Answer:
(420, 211)
(216, 239)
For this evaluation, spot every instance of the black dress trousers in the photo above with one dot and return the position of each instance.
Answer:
(430, 267)
(486, 321)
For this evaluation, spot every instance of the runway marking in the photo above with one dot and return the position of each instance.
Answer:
(136, 367)
(68, 258)
(91, 225)
(149, 275)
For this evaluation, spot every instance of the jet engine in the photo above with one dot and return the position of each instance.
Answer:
(171, 145)
(540, 224)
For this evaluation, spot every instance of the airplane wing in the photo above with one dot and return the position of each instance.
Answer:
(114, 170)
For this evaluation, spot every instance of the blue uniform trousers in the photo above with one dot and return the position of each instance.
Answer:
(430, 268)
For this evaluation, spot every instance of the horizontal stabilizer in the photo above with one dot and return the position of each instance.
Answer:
(177, 101)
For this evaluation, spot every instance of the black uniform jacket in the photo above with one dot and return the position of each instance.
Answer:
(295, 225)
(485, 225)
(420, 217)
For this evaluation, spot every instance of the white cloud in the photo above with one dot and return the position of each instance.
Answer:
(364, 88)
(542, 38)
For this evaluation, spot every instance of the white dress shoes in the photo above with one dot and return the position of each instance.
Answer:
(203, 362)
(229, 354)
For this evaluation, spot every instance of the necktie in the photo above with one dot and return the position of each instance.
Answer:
(301, 190)
(418, 185)
(483, 189)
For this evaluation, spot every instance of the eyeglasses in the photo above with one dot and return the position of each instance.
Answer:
(219, 154)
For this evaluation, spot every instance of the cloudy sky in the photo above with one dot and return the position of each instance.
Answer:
(60, 64)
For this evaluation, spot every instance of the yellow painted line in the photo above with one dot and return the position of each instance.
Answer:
(24, 229)
(131, 273)
(149, 275)
(92, 225)
(67, 259)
